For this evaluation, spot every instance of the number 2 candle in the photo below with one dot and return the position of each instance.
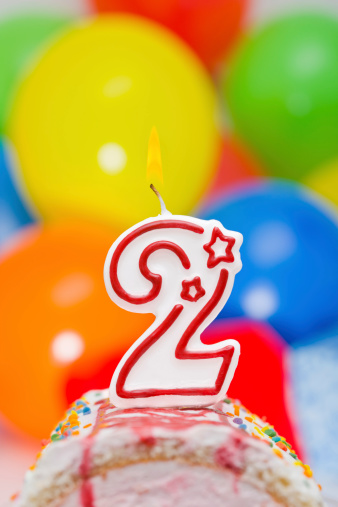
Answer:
(182, 270)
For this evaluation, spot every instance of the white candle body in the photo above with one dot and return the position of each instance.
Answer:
(160, 374)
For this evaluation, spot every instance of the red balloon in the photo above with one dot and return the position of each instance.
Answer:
(261, 380)
(236, 166)
(208, 26)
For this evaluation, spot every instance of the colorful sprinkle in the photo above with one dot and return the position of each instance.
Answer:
(278, 453)
(55, 437)
(259, 431)
(270, 432)
(238, 420)
(255, 436)
(307, 471)
(282, 446)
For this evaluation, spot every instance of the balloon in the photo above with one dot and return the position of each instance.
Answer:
(22, 39)
(91, 160)
(282, 92)
(13, 212)
(236, 166)
(289, 254)
(56, 321)
(325, 181)
(315, 383)
(208, 26)
(260, 382)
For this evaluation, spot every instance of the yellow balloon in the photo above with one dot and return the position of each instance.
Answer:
(82, 119)
(325, 181)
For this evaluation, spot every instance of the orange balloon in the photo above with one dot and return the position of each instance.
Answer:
(57, 321)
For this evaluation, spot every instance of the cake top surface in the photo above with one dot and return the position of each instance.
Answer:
(93, 412)
(94, 434)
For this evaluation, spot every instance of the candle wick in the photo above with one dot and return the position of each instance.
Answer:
(164, 210)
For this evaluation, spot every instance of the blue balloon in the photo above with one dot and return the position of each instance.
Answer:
(13, 212)
(290, 257)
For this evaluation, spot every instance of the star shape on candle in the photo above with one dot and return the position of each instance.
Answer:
(213, 260)
(187, 285)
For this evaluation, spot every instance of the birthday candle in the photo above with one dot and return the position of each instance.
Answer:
(182, 270)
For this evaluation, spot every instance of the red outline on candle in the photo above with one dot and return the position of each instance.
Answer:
(187, 285)
(181, 351)
(228, 257)
(155, 279)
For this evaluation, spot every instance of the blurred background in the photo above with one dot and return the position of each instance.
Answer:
(244, 95)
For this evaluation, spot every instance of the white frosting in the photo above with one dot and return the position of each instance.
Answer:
(158, 368)
(207, 438)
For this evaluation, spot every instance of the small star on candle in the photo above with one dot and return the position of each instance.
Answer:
(213, 259)
(192, 290)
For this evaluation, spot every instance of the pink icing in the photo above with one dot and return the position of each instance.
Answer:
(142, 422)
(86, 494)
(231, 456)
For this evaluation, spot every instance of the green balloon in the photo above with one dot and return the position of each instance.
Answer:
(281, 88)
(22, 38)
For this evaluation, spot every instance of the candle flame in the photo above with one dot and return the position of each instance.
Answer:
(154, 162)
